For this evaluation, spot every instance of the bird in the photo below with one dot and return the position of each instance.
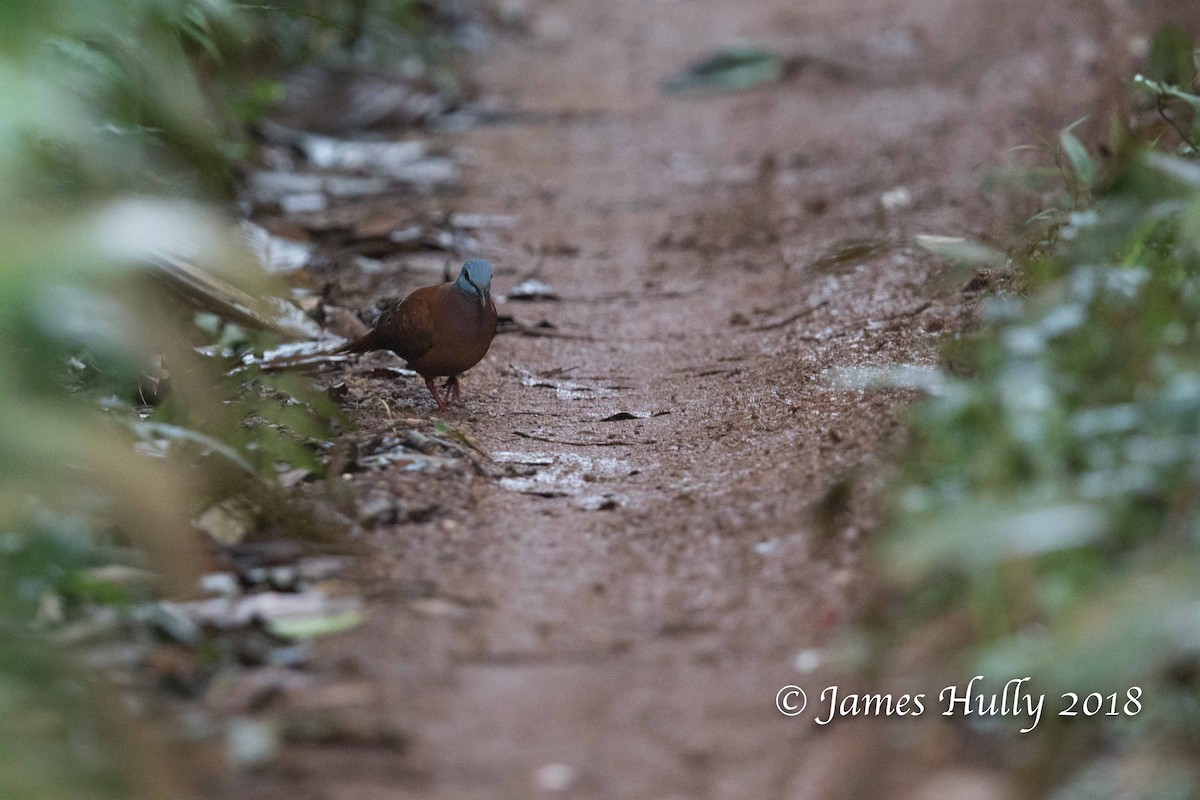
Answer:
(441, 331)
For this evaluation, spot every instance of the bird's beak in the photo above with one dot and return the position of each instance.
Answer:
(484, 294)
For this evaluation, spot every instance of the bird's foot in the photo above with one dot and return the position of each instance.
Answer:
(433, 391)
(452, 388)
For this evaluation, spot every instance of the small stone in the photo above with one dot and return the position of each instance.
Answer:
(377, 507)
(119, 575)
(290, 479)
(895, 199)
(532, 289)
(554, 777)
(290, 657)
(321, 568)
(807, 661)
(303, 203)
(282, 579)
(227, 523)
(250, 742)
(222, 583)
(463, 220)
(174, 625)
(256, 575)
(50, 609)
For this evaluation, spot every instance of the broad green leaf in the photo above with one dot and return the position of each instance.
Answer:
(962, 251)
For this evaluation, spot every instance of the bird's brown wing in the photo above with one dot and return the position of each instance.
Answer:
(407, 329)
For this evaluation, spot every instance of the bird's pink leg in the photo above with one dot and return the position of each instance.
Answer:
(433, 391)
(451, 386)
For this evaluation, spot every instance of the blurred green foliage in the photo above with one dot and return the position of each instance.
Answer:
(304, 31)
(1047, 506)
(117, 124)
(412, 37)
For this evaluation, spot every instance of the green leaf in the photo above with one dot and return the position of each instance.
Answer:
(1170, 57)
(312, 627)
(1179, 169)
(981, 534)
(150, 431)
(1167, 90)
(962, 251)
(1081, 162)
(729, 70)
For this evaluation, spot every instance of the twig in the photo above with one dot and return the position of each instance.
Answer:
(1183, 134)
(707, 372)
(315, 360)
(908, 312)
(766, 326)
(611, 297)
(607, 443)
(879, 323)
(513, 326)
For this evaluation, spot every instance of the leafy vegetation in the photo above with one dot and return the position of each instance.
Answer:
(373, 31)
(1047, 510)
(118, 121)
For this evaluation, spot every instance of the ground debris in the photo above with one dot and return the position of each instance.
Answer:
(896, 199)
(227, 613)
(345, 726)
(307, 191)
(622, 416)
(845, 255)
(256, 690)
(469, 221)
(250, 742)
(406, 453)
(387, 158)
(581, 442)
(408, 162)
(532, 289)
(563, 390)
(345, 99)
(227, 522)
(307, 354)
(563, 475)
(543, 329)
(275, 253)
(555, 778)
(790, 318)
(210, 293)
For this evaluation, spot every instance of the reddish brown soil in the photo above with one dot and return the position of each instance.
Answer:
(626, 597)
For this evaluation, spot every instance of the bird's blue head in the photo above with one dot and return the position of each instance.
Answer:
(476, 279)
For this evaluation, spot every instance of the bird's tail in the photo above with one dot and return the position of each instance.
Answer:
(363, 344)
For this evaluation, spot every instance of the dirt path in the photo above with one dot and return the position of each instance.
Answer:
(608, 606)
